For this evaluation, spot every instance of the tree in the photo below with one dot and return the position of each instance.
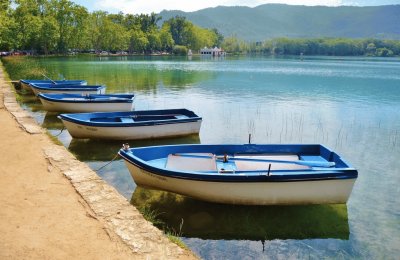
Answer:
(178, 28)
(138, 41)
(28, 24)
(233, 45)
(96, 20)
(148, 22)
(371, 49)
(49, 35)
(105, 34)
(219, 37)
(114, 36)
(383, 52)
(71, 19)
(201, 37)
(8, 26)
(180, 50)
(154, 40)
(166, 40)
(78, 39)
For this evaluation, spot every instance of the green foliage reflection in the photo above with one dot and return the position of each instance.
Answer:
(218, 221)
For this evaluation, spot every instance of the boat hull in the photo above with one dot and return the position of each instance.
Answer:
(26, 86)
(54, 106)
(81, 131)
(328, 191)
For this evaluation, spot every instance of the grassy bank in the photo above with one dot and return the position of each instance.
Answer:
(19, 67)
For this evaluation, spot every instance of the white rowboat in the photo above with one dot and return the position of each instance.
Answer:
(244, 174)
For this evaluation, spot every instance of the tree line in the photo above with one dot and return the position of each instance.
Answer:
(60, 26)
(319, 46)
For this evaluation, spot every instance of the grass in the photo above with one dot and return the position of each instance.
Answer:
(20, 67)
(18, 97)
(175, 239)
(153, 217)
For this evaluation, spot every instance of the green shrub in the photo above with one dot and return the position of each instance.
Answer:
(180, 50)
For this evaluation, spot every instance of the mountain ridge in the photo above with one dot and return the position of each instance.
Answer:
(297, 21)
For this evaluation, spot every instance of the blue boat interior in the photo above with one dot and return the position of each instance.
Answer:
(54, 82)
(79, 98)
(136, 118)
(241, 159)
(208, 163)
(65, 86)
(140, 117)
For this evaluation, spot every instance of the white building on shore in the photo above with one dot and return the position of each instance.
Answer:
(214, 52)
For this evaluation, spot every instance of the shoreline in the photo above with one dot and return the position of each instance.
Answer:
(54, 206)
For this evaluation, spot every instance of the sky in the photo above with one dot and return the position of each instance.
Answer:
(156, 6)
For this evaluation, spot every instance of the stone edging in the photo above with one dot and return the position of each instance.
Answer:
(108, 206)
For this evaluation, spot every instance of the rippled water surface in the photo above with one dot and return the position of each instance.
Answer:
(351, 105)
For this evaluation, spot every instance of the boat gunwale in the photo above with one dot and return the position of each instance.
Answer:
(69, 87)
(82, 100)
(319, 175)
(192, 117)
(58, 82)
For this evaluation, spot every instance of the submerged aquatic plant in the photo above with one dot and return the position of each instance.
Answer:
(153, 216)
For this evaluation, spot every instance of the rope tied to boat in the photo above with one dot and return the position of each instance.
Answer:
(115, 157)
(125, 147)
(60, 132)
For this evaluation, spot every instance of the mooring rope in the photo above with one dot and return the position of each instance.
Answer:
(60, 132)
(115, 157)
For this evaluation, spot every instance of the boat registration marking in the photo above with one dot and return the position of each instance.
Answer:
(93, 129)
(161, 178)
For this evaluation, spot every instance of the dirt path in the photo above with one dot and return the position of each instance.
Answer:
(54, 207)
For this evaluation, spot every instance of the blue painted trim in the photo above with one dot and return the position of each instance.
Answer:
(340, 172)
(28, 81)
(67, 87)
(86, 119)
(91, 98)
(65, 82)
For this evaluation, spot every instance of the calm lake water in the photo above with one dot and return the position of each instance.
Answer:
(351, 105)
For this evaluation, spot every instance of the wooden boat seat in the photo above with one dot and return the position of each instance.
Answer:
(182, 163)
(256, 166)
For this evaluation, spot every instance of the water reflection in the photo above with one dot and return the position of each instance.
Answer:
(193, 218)
(28, 100)
(51, 121)
(132, 73)
(94, 150)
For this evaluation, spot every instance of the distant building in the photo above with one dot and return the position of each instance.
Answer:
(215, 52)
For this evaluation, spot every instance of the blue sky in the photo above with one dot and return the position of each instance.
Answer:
(156, 6)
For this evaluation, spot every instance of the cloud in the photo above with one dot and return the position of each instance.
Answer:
(156, 6)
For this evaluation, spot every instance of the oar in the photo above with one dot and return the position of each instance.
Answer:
(49, 79)
(306, 163)
(278, 171)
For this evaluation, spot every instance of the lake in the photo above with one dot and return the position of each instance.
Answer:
(351, 105)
